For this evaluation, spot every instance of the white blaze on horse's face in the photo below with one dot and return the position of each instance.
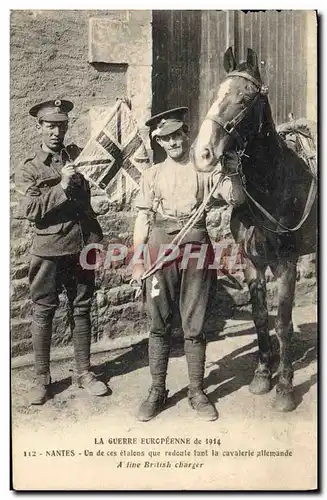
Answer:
(212, 140)
(223, 91)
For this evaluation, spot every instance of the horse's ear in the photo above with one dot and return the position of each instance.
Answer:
(229, 60)
(252, 59)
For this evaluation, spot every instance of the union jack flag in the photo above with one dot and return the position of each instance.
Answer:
(115, 156)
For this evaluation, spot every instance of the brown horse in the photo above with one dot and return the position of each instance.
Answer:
(277, 223)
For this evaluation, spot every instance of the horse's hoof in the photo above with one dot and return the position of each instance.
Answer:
(284, 400)
(261, 382)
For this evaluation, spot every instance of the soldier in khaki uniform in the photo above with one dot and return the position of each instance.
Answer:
(57, 200)
(170, 193)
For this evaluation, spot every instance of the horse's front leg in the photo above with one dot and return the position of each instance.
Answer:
(254, 273)
(285, 272)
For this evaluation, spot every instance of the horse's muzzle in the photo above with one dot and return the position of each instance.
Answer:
(203, 159)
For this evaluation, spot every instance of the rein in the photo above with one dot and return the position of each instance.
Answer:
(183, 232)
(230, 128)
(284, 229)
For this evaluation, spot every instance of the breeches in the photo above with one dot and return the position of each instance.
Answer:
(185, 287)
(47, 277)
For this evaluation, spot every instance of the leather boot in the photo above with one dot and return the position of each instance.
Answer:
(41, 330)
(198, 400)
(91, 384)
(159, 346)
(41, 392)
(153, 404)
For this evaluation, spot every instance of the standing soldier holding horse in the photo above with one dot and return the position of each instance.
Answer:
(170, 194)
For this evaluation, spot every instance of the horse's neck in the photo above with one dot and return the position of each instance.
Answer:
(273, 172)
(264, 151)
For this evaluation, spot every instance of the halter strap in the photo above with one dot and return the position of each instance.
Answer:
(230, 127)
(284, 229)
(246, 77)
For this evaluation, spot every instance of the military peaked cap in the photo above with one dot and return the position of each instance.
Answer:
(167, 122)
(52, 111)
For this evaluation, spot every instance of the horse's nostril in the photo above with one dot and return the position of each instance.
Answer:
(205, 154)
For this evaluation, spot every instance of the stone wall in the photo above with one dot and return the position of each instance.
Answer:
(91, 58)
(67, 54)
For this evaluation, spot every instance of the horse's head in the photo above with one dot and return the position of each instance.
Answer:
(235, 116)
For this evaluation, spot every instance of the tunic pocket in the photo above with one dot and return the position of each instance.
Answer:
(45, 182)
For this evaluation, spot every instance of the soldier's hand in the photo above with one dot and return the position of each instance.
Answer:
(78, 180)
(230, 163)
(138, 271)
(67, 172)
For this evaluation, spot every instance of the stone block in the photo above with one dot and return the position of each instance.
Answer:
(115, 223)
(20, 229)
(20, 271)
(100, 204)
(62, 334)
(20, 329)
(119, 42)
(213, 219)
(139, 91)
(236, 298)
(218, 222)
(109, 278)
(126, 328)
(101, 299)
(120, 295)
(21, 347)
(21, 308)
(20, 250)
(306, 292)
(125, 319)
(307, 266)
(19, 289)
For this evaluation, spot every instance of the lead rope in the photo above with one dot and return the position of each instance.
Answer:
(180, 236)
(282, 228)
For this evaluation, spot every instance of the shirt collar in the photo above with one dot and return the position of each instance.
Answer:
(46, 156)
(171, 161)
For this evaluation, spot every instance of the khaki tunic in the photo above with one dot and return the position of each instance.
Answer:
(64, 220)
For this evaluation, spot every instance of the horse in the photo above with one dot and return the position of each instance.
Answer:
(277, 222)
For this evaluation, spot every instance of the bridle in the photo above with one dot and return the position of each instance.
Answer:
(230, 127)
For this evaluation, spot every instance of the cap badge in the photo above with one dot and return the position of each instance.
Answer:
(57, 102)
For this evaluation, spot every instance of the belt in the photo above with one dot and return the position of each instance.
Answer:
(174, 225)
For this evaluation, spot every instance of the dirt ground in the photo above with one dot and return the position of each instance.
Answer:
(73, 419)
